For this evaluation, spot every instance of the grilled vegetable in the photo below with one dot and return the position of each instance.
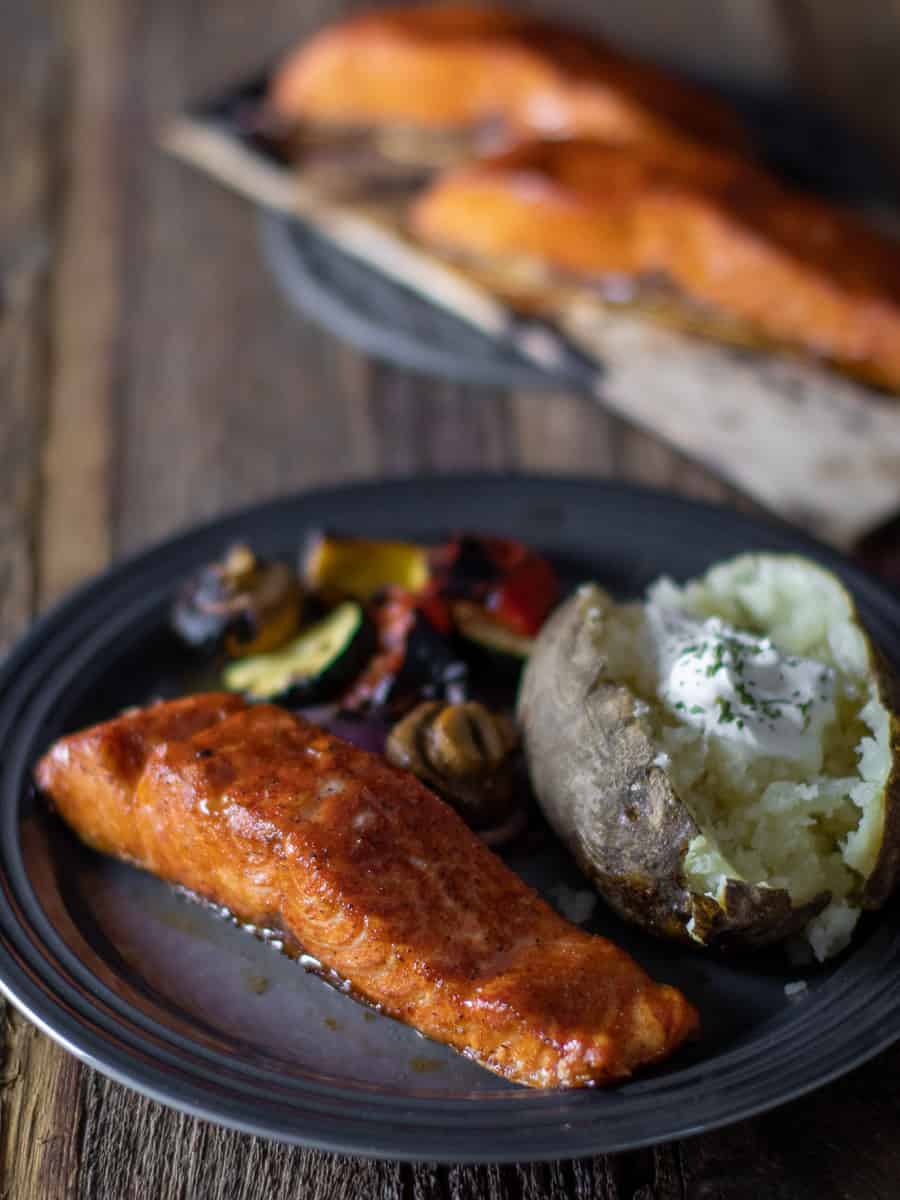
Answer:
(315, 666)
(431, 668)
(464, 752)
(466, 565)
(496, 643)
(525, 594)
(392, 617)
(359, 568)
(517, 586)
(413, 661)
(248, 605)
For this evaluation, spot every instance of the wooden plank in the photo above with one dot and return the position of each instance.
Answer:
(566, 434)
(22, 280)
(38, 1088)
(40, 1114)
(26, 92)
(836, 1144)
(86, 300)
(430, 425)
(142, 1151)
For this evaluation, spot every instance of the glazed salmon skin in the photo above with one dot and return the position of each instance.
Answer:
(359, 864)
(452, 66)
(787, 269)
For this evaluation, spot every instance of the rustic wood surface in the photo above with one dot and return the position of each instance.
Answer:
(151, 375)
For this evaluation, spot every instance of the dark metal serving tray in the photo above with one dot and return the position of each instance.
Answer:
(168, 998)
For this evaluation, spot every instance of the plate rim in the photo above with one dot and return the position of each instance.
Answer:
(24, 989)
(280, 236)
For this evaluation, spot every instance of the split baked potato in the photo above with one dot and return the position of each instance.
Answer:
(758, 801)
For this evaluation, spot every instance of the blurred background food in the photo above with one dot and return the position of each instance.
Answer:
(625, 177)
(596, 218)
(622, 178)
(487, 74)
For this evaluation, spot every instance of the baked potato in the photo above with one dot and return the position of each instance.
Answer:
(721, 758)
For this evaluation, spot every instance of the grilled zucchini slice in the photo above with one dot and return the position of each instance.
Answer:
(315, 666)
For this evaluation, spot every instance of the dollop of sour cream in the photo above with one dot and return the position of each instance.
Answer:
(738, 686)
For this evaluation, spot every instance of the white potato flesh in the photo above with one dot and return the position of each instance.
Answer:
(763, 819)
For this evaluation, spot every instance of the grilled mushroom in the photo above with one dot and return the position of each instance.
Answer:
(245, 603)
(465, 753)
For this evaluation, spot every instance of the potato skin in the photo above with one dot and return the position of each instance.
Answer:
(886, 872)
(590, 756)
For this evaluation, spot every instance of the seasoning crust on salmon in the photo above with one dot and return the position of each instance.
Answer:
(461, 66)
(369, 872)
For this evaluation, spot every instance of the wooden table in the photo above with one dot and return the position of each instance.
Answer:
(151, 375)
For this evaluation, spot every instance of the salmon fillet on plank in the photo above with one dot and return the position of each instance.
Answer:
(290, 827)
(788, 269)
(455, 66)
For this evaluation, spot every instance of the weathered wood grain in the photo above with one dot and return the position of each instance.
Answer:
(38, 1084)
(85, 299)
(832, 1145)
(22, 280)
(563, 433)
(156, 377)
(25, 203)
(203, 1162)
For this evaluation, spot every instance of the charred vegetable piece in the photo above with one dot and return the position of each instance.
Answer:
(464, 752)
(414, 659)
(518, 586)
(465, 567)
(248, 605)
(431, 667)
(523, 598)
(496, 642)
(359, 568)
(315, 666)
(392, 616)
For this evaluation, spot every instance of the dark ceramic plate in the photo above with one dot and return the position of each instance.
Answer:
(171, 999)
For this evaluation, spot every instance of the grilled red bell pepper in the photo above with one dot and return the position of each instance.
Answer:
(525, 595)
(514, 583)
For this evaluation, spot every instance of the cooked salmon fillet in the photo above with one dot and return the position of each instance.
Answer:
(370, 873)
(457, 66)
(795, 270)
